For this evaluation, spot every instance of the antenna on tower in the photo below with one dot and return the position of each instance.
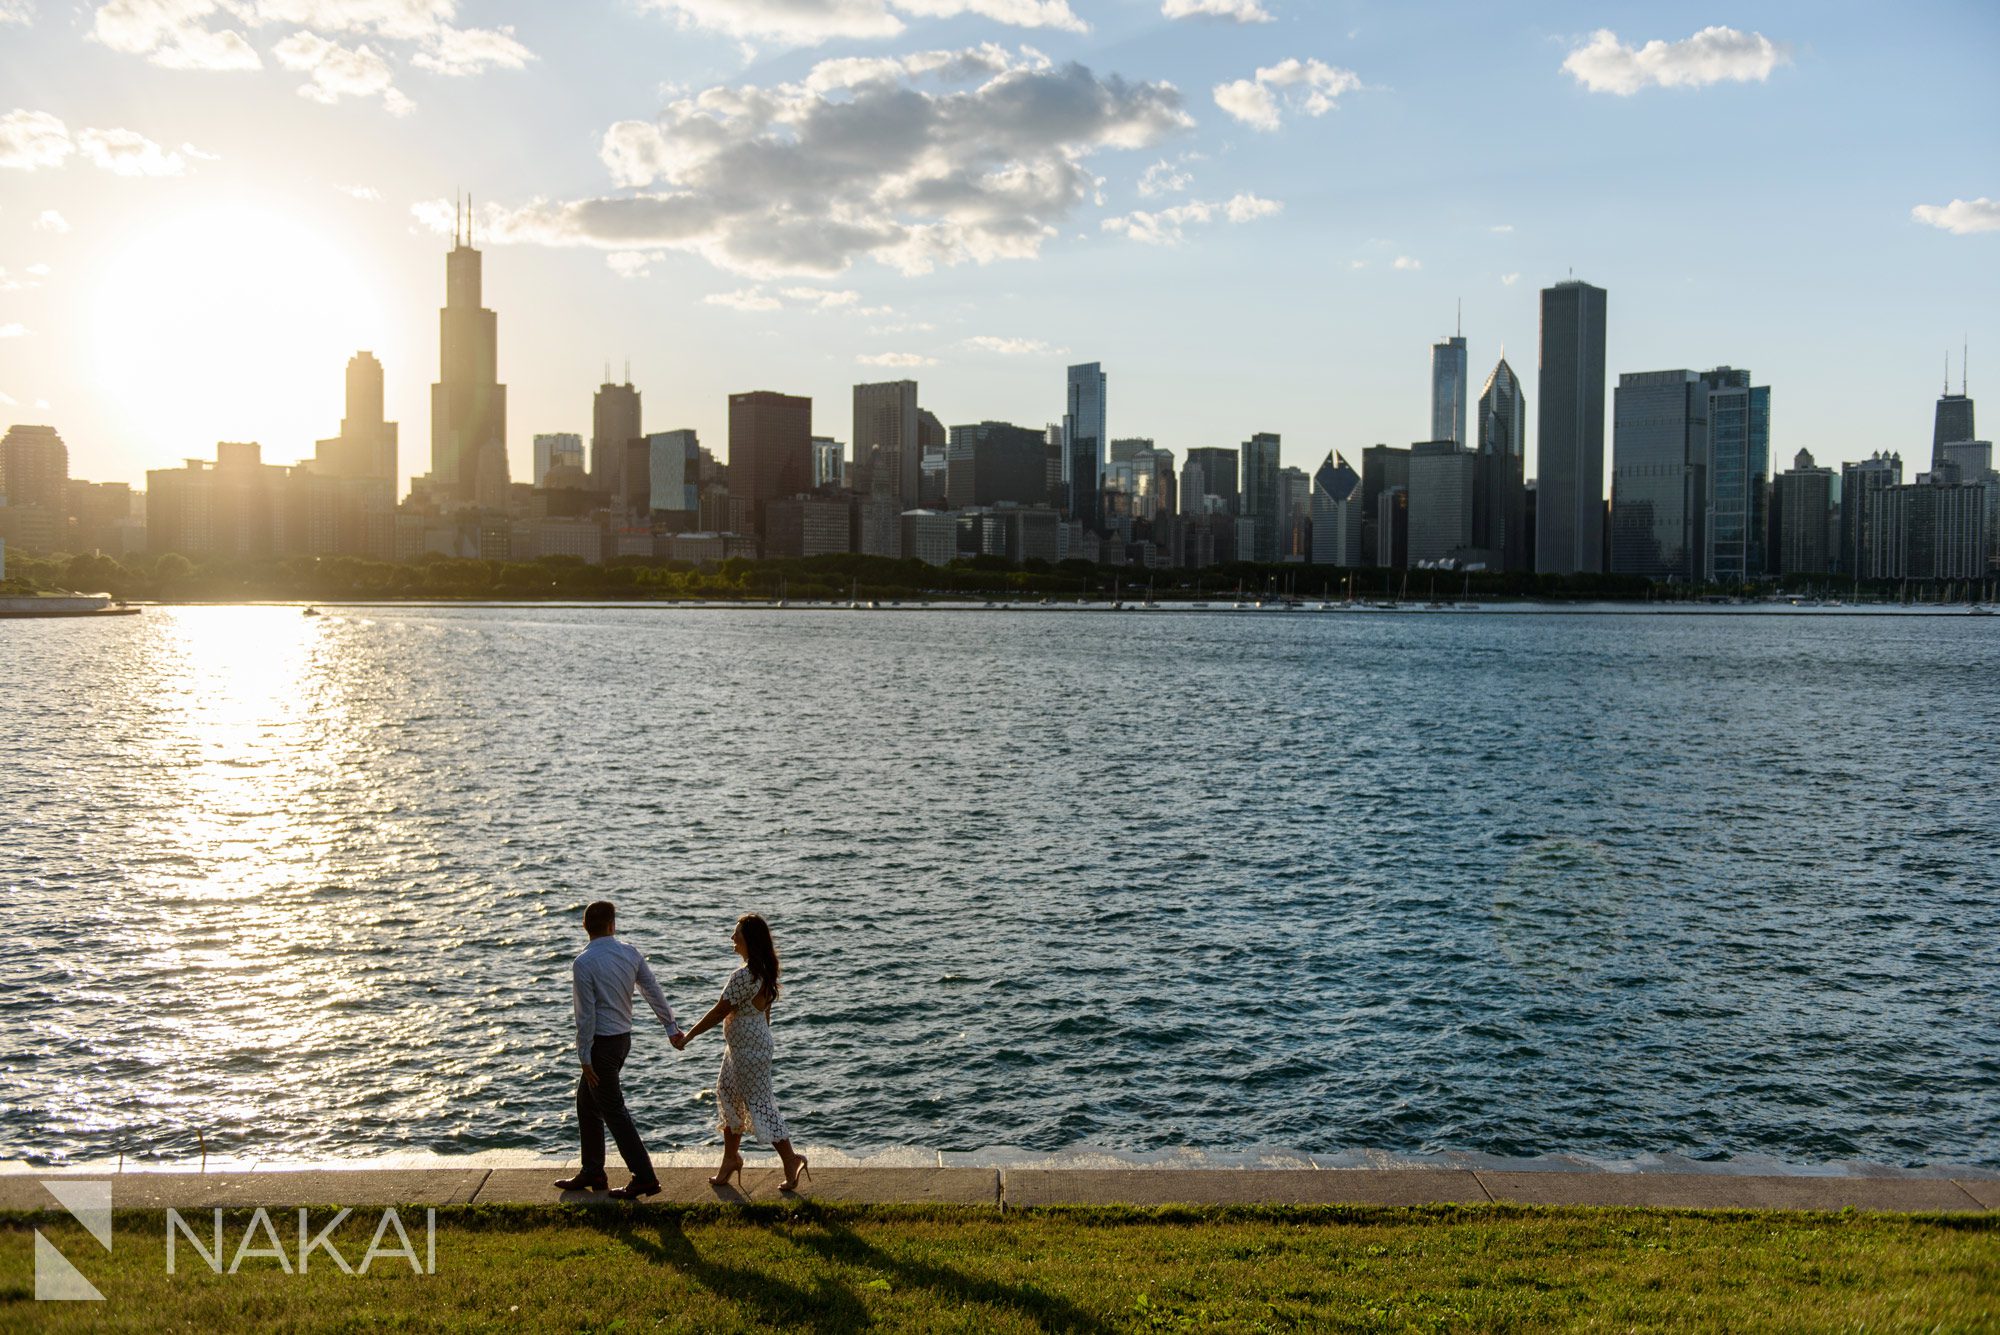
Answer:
(628, 370)
(1461, 319)
(1964, 356)
(468, 218)
(1947, 372)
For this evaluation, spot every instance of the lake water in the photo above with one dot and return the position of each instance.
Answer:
(1489, 884)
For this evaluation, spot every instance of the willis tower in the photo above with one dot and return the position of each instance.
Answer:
(468, 402)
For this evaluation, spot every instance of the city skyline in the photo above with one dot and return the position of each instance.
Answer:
(1296, 219)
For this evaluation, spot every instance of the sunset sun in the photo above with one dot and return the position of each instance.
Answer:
(231, 321)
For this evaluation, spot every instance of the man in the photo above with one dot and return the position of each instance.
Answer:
(603, 978)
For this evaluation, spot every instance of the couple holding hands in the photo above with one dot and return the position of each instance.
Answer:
(604, 978)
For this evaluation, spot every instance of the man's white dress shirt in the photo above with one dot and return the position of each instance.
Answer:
(603, 978)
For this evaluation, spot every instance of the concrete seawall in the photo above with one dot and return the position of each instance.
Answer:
(1026, 1188)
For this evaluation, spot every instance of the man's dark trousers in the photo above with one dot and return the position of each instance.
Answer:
(603, 1105)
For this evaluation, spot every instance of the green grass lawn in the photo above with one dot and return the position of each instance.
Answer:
(890, 1269)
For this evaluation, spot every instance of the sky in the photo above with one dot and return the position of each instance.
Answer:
(1256, 214)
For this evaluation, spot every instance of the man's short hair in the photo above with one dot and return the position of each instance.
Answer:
(600, 917)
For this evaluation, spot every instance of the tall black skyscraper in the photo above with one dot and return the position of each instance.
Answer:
(1954, 416)
(1261, 500)
(468, 402)
(1500, 524)
(1569, 452)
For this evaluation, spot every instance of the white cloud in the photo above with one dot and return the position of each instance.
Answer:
(1509, 279)
(1311, 86)
(33, 139)
(17, 11)
(1164, 178)
(40, 270)
(809, 298)
(1405, 262)
(1168, 227)
(1249, 208)
(461, 51)
(823, 298)
(1501, 229)
(51, 221)
(745, 299)
(175, 34)
(1713, 55)
(810, 22)
(128, 153)
(8, 400)
(939, 157)
(1961, 217)
(339, 71)
(1357, 264)
(1236, 11)
(896, 359)
(13, 331)
(1013, 347)
(178, 34)
(366, 193)
(633, 263)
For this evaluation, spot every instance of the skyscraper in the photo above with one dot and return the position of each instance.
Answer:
(1502, 527)
(1739, 475)
(1336, 514)
(1450, 379)
(1953, 420)
(1659, 475)
(614, 424)
(468, 402)
(888, 445)
(1263, 502)
(673, 475)
(1444, 495)
(366, 445)
(1865, 491)
(1384, 468)
(34, 468)
(770, 449)
(1805, 504)
(1084, 441)
(994, 463)
(1218, 477)
(1569, 449)
(829, 462)
(553, 450)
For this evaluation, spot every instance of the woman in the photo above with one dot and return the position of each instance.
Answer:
(743, 1089)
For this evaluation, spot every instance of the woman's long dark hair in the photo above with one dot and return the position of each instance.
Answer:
(762, 957)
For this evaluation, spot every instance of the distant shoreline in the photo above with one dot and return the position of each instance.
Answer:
(1307, 608)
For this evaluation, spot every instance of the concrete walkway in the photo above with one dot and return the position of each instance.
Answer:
(1025, 1188)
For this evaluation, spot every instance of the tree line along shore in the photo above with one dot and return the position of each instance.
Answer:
(174, 578)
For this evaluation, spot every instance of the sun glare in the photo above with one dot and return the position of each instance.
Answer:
(233, 322)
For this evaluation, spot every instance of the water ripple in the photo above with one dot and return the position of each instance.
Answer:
(1500, 885)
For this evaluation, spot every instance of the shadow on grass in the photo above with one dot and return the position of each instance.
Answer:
(830, 1305)
(827, 1306)
(837, 1242)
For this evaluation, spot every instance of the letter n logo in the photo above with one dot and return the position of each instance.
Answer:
(56, 1279)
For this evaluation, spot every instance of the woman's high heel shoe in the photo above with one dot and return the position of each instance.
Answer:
(800, 1169)
(730, 1168)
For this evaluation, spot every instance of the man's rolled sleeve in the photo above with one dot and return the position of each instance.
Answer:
(650, 988)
